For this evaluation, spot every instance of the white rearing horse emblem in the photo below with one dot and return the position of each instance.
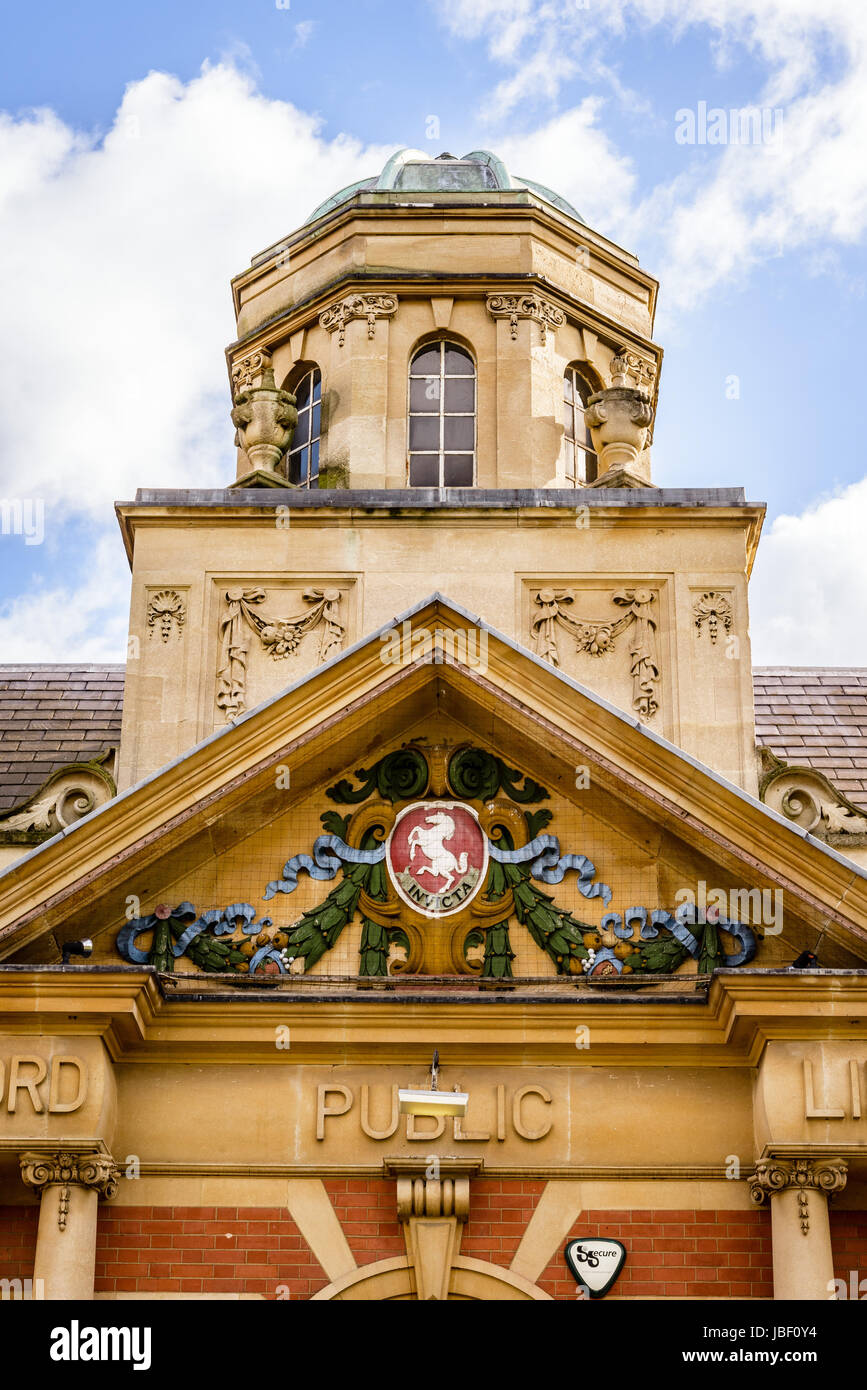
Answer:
(443, 864)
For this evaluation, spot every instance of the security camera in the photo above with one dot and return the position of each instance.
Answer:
(76, 948)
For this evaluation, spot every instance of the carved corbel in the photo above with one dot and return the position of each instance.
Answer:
(525, 306)
(358, 306)
(433, 1203)
(66, 1170)
(774, 1175)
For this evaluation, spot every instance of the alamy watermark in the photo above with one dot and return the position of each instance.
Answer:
(758, 906)
(23, 516)
(742, 125)
(408, 645)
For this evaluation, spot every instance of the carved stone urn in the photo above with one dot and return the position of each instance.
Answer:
(619, 418)
(265, 418)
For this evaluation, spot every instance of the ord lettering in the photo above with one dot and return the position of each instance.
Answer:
(65, 1091)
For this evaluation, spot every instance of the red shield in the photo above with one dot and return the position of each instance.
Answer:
(437, 857)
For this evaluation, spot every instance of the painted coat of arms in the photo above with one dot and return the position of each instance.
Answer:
(437, 856)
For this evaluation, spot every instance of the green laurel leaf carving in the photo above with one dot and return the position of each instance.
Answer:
(398, 776)
(498, 953)
(479, 775)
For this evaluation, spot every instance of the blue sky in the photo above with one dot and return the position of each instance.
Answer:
(134, 181)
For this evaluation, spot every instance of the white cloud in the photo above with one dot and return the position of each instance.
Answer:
(566, 155)
(720, 216)
(114, 282)
(83, 620)
(809, 589)
(115, 278)
(304, 32)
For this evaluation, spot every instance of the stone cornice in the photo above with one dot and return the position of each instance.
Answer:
(138, 1019)
(608, 252)
(673, 507)
(415, 284)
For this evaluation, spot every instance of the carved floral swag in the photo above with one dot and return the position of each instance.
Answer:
(281, 637)
(597, 638)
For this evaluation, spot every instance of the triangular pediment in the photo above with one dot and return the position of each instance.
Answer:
(550, 762)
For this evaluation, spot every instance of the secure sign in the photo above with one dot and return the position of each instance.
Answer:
(595, 1263)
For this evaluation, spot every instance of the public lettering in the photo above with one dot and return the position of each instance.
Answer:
(374, 1107)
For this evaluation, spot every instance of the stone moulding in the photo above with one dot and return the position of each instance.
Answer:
(775, 1175)
(806, 797)
(280, 637)
(358, 306)
(167, 612)
(597, 637)
(525, 306)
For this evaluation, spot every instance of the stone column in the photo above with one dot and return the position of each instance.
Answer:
(433, 1202)
(799, 1190)
(70, 1184)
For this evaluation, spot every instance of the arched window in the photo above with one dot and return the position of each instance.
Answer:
(579, 457)
(303, 461)
(442, 417)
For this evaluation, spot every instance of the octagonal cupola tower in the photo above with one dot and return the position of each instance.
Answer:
(444, 383)
(445, 324)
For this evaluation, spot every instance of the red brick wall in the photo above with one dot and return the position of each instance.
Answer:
(18, 1241)
(367, 1210)
(499, 1212)
(678, 1254)
(204, 1250)
(849, 1246)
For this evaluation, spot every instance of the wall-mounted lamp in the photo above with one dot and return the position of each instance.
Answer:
(75, 948)
(433, 1102)
(806, 961)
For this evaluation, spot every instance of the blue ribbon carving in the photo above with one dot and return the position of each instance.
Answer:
(222, 920)
(549, 866)
(329, 852)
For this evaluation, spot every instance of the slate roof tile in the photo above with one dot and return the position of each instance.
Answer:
(816, 716)
(51, 715)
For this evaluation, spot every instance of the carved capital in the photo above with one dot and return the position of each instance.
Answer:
(251, 372)
(525, 306)
(358, 306)
(66, 1170)
(775, 1175)
(629, 369)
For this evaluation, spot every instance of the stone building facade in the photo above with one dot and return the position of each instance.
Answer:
(438, 734)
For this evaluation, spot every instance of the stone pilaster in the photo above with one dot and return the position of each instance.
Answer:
(70, 1185)
(799, 1190)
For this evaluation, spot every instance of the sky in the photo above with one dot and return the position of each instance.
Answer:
(148, 152)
